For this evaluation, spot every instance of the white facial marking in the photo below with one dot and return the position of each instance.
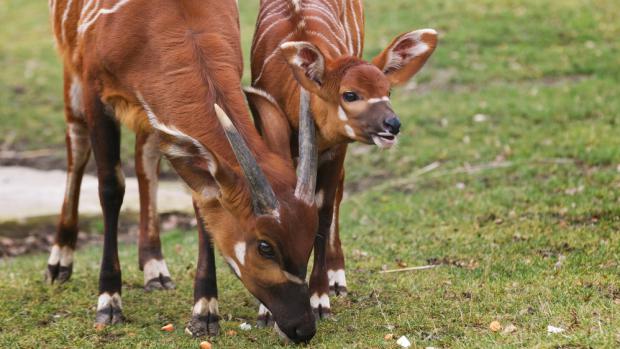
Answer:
(62, 256)
(293, 278)
(337, 277)
(233, 265)
(105, 300)
(342, 115)
(154, 268)
(322, 300)
(205, 306)
(379, 100)
(349, 130)
(240, 252)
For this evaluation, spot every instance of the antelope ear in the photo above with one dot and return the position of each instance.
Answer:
(270, 121)
(406, 55)
(307, 63)
(199, 168)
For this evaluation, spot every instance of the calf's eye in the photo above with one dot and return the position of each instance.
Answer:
(350, 96)
(265, 249)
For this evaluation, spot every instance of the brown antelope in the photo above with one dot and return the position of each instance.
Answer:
(306, 58)
(159, 67)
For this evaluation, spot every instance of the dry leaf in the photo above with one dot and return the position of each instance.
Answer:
(168, 328)
(553, 329)
(205, 345)
(495, 326)
(231, 333)
(388, 337)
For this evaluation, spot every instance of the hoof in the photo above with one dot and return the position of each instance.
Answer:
(109, 310)
(159, 283)
(203, 325)
(59, 264)
(58, 274)
(337, 290)
(320, 306)
(265, 318)
(337, 283)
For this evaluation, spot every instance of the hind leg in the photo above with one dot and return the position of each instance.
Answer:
(151, 260)
(335, 257)
(60, 262)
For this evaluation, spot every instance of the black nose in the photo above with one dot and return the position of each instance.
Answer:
(392, 125)
(305, 332)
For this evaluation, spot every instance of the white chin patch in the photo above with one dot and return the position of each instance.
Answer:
(206, 306)
(383, 142)
(281, 333)
(61, 255)
(337, 277)
(107, 300)
(154, 268)
(322, 301)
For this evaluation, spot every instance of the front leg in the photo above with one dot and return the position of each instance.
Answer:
(328, 180)
(205, 314)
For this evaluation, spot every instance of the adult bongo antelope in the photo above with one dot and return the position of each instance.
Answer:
(306, 57)
(164, 68)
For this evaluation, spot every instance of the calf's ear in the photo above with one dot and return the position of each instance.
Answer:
(406, 55)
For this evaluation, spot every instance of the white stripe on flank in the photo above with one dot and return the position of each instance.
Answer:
(271, 56)
(271, 26)
(84, 26)
(357, 30)
(325, 39)
(65, 15)
(346, 24)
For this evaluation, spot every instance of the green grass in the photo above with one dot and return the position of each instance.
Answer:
(546, 74)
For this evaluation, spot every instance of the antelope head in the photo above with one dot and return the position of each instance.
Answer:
(356, 93)
(263, 225)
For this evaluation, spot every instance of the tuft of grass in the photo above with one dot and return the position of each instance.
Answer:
(520, 206)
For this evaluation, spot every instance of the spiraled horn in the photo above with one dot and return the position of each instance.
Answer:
(308, 151)
(264, 200)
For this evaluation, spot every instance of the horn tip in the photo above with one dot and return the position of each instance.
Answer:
(223, 117)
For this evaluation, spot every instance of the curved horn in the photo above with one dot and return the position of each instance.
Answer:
(264, 200)
(308, 151)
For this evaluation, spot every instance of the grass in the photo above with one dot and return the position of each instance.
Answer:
(523, 209)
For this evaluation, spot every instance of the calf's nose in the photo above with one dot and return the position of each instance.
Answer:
(392, 125)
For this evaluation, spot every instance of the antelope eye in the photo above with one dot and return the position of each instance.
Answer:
(350, 97)
(265, 249)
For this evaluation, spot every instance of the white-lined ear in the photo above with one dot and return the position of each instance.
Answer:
(197, 166)
(406, 55)
(307, 63)
(270, 121)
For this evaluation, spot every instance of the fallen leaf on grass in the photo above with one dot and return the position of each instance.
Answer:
(245, 326)
(495, 326)
(388, 337)
(168, 328)
(403, 342)
(205, 345)
(553, 329)
(231, 333)
(617, 301)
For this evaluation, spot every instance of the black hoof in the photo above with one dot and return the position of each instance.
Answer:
(322, 313)
(203, 325)
(337, 290)
(159, 283)
(58, 274)
(109, 315)
(265, 320)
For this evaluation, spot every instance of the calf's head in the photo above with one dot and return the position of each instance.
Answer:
(357, 93)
